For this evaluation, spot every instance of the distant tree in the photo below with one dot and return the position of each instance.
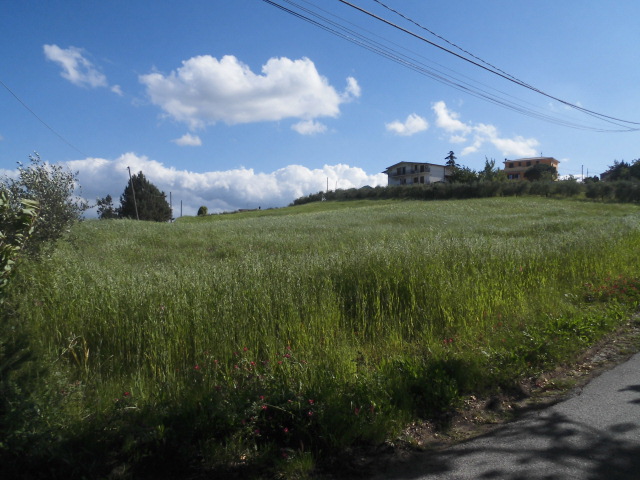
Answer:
(202, 211)
(53, 187)
(106, 210)
(541, 171)
(150, 202)
(462, 175)
(451, 160)
(634, 169)
(617, 171)
(490, 173)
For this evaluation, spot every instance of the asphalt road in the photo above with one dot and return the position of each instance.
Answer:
(594, 434)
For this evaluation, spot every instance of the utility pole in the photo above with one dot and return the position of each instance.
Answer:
(135, 205)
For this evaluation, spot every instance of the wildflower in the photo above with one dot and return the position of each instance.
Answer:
(257, 431)
(245, 349)
(264, 407)
(127, 394)
(310, 413)
(197, 367)
(311, 401)
(261, 397)
(356, 411)
(285, 430)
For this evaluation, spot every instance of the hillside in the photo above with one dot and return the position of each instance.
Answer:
(276, 339)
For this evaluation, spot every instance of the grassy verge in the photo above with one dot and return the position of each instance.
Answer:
(275, 339)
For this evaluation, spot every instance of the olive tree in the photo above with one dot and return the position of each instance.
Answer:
(53, 187)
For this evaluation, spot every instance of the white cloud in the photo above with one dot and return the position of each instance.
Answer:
(205, 90)
(75, 67)
(412, 125)
(448, 120)
(353, 89)
(309, 127)
(188, 140)
(219, 190)
(117, 90)
(482, 133)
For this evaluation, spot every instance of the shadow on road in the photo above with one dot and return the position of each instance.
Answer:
(632, 388)
(546, 447)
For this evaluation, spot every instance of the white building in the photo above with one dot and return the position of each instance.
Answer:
(409, 173)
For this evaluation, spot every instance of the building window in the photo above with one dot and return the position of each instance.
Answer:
(422, 179)
(511, 165)
(528, 164)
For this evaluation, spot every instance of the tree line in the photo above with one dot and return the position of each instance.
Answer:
(620, 183)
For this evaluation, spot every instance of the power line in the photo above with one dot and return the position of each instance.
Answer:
(42, 121)
(420, 67)
(491, 70)
(363, 41)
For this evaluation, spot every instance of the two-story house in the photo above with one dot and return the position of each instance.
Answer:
(409, 173)
(515, 168)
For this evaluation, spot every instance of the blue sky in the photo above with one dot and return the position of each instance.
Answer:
(238, 104)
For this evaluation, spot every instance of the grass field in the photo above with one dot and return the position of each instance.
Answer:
(274, 338)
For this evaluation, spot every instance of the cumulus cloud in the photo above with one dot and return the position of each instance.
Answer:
(220, 191)
(188, 140)
(75, 67)
(481, 133)
(309, 127)
(412, 125)
(205, 90)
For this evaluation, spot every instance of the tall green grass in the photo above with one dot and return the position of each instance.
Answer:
(275, 333)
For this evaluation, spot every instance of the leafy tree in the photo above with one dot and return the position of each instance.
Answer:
(106, 210)
(462, 175)
(202, 211)
(491, 173)
(54, 189)
(16, 226)
(145, 198)
(617, 171)
(541, 171)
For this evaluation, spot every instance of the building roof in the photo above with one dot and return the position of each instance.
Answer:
(414, 163)
(529, 159)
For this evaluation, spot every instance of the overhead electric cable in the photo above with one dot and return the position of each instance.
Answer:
(441, 77)
(413, 64)
(491, 70)
(400, 14)
(42, 121)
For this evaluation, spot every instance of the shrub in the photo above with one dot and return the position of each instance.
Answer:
(54, 189)
(202, 211)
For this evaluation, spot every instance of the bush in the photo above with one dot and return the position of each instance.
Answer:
(54, 189)
(202, 211)
(15, 229)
